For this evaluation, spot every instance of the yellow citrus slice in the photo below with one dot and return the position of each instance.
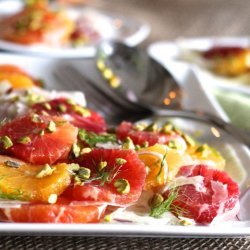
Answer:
(207, 155)
(163, 164)
(22, 181)
(17, 81)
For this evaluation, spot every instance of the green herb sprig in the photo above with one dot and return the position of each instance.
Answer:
(92, 138)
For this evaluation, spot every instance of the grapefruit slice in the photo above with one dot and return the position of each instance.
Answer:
(38, 139)
(117, 177)
(204, 194)
(79, 116)
(61, 212)
(150, 138)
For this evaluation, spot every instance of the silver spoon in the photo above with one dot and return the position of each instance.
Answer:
(144, 81)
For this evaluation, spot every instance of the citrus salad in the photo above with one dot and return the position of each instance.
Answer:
(61, 163)
(38, 23)
(230, 63)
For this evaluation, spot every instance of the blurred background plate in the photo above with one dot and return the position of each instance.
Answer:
(230, 94)
(107, 24)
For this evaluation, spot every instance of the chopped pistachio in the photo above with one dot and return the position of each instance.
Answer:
(47, 106)
(52, 199)
(174, 144)
(147, 169)
(122, 186)
(189, 140)
(84, 173)
(151, 127)
(120, 161)
(186, 221)
(176, 130)
(74, 167)
(44, 113)
(76, 150)
(6, 141)
(77, 180)
(24, 140)
(12, 164)
(156, 200)
(145, 144)
(51, 127)
(82, 134)
(167, 128)
(137, 147)
(41, 132)
(140, 126)
(102, 165)
(86, 151)
(203, 150)
(115, 82)
(81, 111)
(62, 108)
(70, 101)
(128, 144)
(45, 171)
(108, 218)
(36, 118)
(33, 98)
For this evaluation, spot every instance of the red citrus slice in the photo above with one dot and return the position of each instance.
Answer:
(79, 116)
(127, 129)
(38, 139)
(61, 212)
(212, 196)
(119, 182)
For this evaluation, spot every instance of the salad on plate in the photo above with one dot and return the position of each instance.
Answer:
(60, 162)
(63, 31)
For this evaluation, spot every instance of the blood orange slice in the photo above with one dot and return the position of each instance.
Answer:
(127, 129)
(61, 212)
(117, 177)
(208, 195)
(38, 139)
(79, 116)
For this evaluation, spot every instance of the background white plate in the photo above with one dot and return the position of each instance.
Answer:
(131, 32)
(44, 68)
(165, 51)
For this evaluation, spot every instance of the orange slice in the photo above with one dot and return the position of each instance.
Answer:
(208, 156)
(17, 81)
(163, 164)
(30, 182)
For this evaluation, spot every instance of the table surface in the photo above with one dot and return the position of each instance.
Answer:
(169, 19)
